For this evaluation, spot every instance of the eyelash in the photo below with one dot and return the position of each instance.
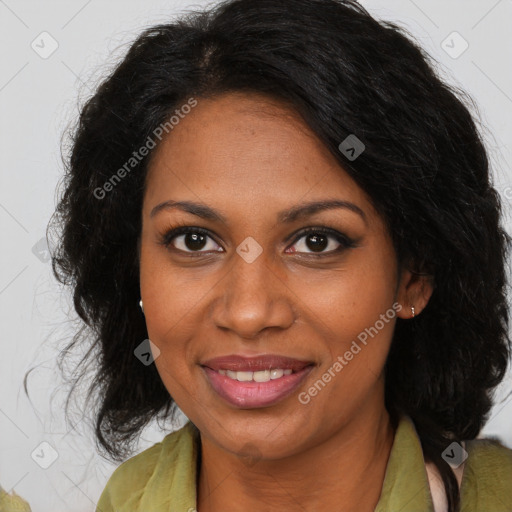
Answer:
(344, 241)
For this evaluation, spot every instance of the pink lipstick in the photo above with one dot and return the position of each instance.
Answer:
(255, 382)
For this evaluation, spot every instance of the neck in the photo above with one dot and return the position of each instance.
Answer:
(348, 473)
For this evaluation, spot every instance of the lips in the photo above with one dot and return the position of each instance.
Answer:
(255, 382)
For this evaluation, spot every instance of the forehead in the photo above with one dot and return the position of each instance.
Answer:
(245, 149)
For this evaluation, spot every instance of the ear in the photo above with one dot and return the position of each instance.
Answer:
(414, 290)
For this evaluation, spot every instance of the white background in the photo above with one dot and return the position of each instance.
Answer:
(39, 97)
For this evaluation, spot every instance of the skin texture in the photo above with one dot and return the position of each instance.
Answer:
(249, 157)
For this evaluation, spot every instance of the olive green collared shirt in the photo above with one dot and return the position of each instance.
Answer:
(163, 477)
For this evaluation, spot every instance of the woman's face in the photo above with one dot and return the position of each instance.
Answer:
(252, 284)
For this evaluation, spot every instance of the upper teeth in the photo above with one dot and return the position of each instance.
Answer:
(260, 376)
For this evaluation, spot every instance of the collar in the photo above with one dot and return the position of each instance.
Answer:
(405, 485)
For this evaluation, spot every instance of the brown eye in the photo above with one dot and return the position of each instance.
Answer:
(317, 240)
(189, 239)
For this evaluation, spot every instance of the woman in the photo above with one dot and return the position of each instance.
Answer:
(302, 210)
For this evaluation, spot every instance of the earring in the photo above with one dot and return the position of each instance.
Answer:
(412, 310)
(141, 305)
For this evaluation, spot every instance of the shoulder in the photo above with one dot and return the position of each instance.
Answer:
(487, 477)
(12, 502)
(129, 481)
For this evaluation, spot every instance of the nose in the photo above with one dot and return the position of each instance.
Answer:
(254, 298)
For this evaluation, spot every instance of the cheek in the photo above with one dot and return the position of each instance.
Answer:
(170, 295)
(166, 304)
(354, 310)
(353, 298)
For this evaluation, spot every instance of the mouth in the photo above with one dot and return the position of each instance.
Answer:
(255, 382)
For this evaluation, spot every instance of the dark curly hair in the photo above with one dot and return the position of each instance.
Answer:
(424, 167)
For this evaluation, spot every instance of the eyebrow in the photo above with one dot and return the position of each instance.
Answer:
(285, 216)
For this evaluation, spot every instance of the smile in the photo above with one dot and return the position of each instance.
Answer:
(255, 382)
(260, 376)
